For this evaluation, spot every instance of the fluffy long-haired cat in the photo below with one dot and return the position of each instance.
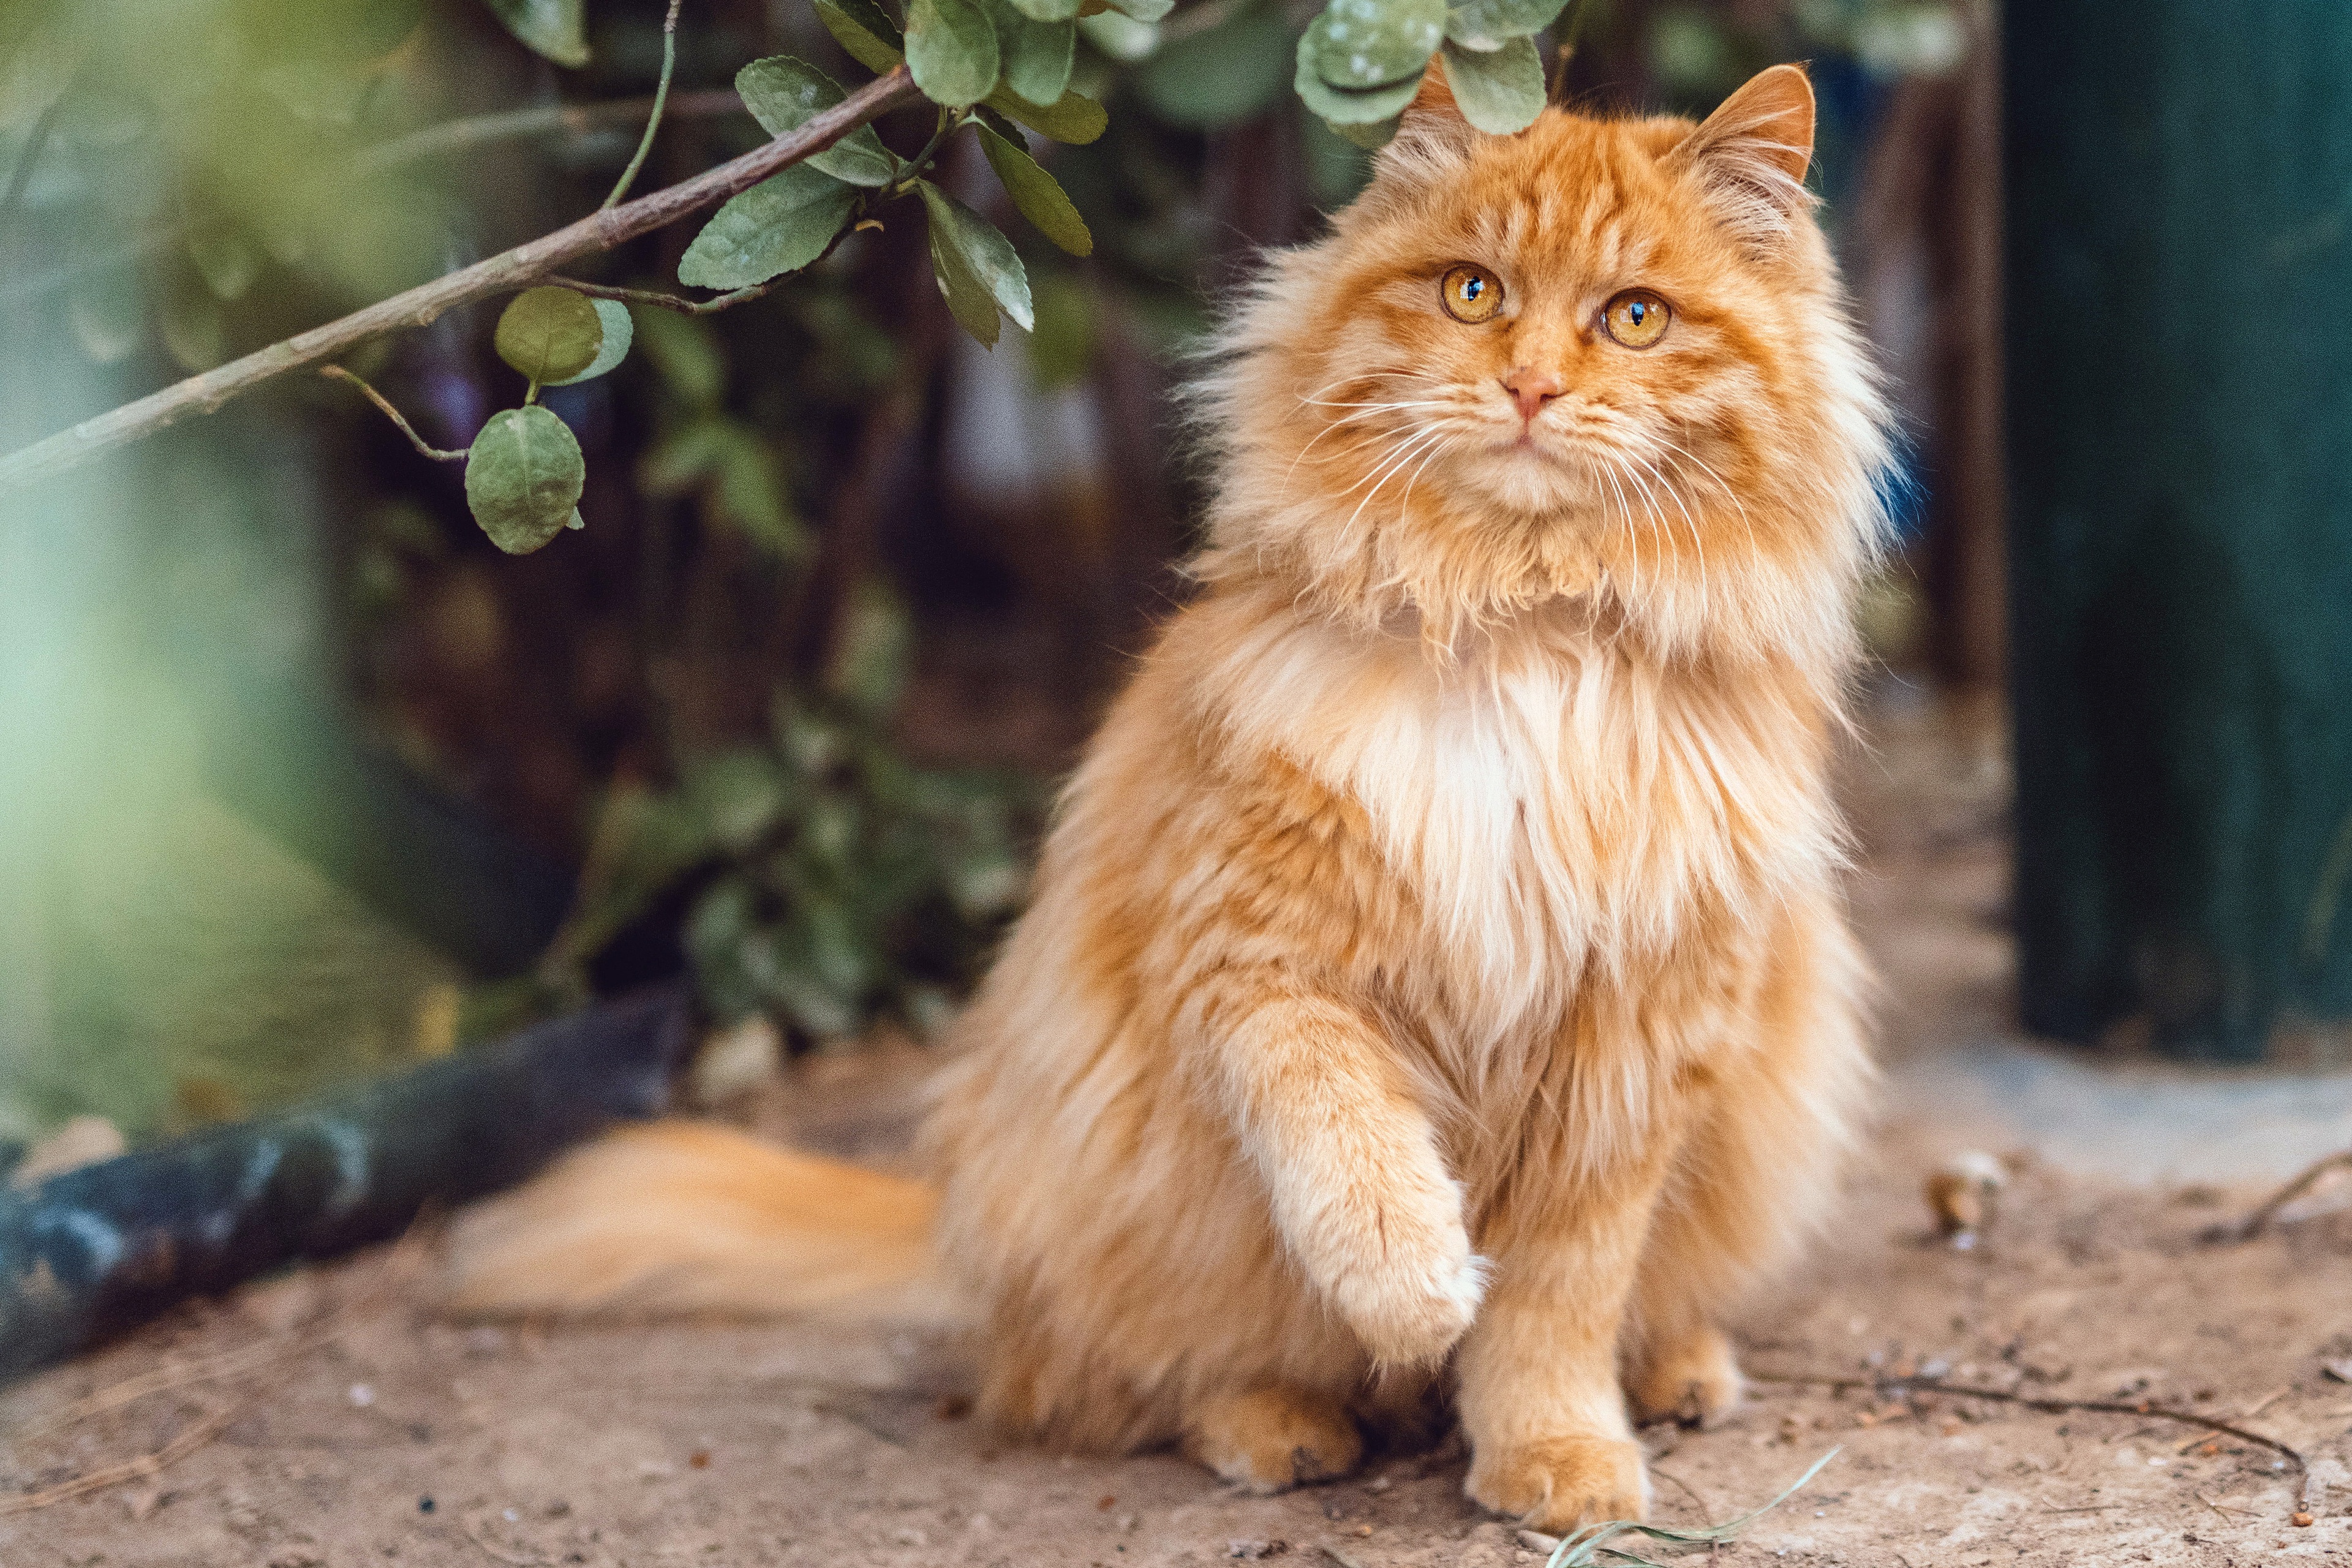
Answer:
(1436, 983)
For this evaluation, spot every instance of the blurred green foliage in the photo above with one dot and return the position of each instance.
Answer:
(847, 588)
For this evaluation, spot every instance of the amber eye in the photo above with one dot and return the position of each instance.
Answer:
(1470, 294)
(1636, 318)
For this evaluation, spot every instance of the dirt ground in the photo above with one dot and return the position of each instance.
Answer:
(350, 1426)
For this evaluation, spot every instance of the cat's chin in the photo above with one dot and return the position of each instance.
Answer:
(1528, 481)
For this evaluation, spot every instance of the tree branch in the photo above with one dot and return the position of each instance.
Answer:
(418, 307)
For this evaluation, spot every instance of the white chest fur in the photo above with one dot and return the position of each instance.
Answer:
(1556, 804)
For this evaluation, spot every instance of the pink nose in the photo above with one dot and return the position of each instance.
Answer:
(1531, 388)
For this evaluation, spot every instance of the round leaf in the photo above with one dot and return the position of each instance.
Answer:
(1072, 120)
(779, 225)
(553, 27)
(1500, 91)
(977, 267)
(864, 32)
(1486, 25)
(1034, 191)
(782, 93)
(1361, 44)
(620, 332)
(523, 477)
(1036, 56)
(951, 50)
(1222, 75)
(1340, 107)
(550, 334)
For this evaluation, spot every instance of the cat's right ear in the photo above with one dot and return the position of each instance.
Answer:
(1431, 137)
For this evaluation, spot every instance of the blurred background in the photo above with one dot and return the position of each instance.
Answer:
(300, 778)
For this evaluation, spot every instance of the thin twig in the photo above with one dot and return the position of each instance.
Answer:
(2254, 1224)
(679, 302)
(653, 120)
(2057, 1407)
(34, 144)
(439, 454)
(515, 124)
(509, 270)
(145, 1464)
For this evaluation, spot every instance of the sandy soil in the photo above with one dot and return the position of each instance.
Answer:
(353, 1427)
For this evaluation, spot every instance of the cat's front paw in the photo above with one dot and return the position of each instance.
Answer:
(1408, 1308)
(1556, 1484)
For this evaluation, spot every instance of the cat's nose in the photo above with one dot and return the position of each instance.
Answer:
(1531, 388)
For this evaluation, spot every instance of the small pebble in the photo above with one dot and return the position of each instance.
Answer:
(2300, 1518)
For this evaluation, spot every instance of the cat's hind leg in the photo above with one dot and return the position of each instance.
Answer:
(1756, 1170)
(1273, 1437)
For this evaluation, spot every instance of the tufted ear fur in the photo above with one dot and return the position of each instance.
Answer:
(1752, 153)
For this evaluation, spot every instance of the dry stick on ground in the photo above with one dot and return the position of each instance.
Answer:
(140, 1469)
(418, 307)
(2254, 1224)
(2057, 1407)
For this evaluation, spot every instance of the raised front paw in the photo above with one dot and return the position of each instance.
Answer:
(1410, 1305)
(1556, 1484)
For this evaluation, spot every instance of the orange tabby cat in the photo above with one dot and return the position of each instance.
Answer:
(1436, 980)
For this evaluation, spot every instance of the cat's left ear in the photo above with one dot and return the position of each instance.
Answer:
(1752, 153)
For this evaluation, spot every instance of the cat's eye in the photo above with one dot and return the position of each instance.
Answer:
(1636, 318)
(1470, 294)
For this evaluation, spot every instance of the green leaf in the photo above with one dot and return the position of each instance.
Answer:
(737, 798)
(1486, 25)
(1072, 120)
(1371, 136)
(977, 267)
(620, 331)
(783, 93)
(1359, 43)
(523, 477)
(224, 257)
(1143, 10)
(951, 50)
(1047, 10)
(1121, 36)
(779, 225)
(1034, 191)
(863, 32)
(107, 311)
(1036, 56)
(686, 356)
(1500, 91)
(1222, 75)
(1339, 107)
(552, 28)
(550, 334)
(873, 653)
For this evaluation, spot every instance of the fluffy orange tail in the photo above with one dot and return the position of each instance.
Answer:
(687, 1218)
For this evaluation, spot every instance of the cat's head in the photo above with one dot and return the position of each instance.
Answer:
(1600, 360)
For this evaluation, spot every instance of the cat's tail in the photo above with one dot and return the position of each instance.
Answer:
(685, 1218)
